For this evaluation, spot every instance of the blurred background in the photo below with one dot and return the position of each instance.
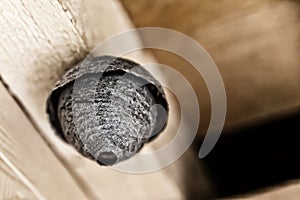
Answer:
(256, 45)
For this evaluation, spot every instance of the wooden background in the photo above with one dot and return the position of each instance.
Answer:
(254, 43)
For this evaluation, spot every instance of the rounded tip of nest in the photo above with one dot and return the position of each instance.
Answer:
(107, 158)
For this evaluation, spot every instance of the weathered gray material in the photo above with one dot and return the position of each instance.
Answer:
(107, 108)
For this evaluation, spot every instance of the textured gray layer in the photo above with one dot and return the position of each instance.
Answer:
(102, 64)
(107, 115)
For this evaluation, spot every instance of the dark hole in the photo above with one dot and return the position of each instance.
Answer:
(255, 157)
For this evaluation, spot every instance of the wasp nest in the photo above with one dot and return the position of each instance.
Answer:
(107, 108)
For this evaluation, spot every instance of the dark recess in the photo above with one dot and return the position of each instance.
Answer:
(257, 156)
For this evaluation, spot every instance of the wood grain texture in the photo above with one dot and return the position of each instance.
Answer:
(26, 161)
(255, 45)
(39, 41)
(11, 187)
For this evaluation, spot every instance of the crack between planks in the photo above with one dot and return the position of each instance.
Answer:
(86, 190)
(71, 16)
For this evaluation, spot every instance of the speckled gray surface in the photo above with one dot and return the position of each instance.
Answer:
(105, 110)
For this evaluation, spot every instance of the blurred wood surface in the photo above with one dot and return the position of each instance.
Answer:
(39, 41)
(255, 44)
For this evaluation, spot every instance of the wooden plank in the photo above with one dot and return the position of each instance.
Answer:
(94, 26)
(26, 161)
(36, 48)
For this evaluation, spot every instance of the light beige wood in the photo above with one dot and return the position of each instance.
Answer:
(42, 39)
(11, 186)
(28, 167)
